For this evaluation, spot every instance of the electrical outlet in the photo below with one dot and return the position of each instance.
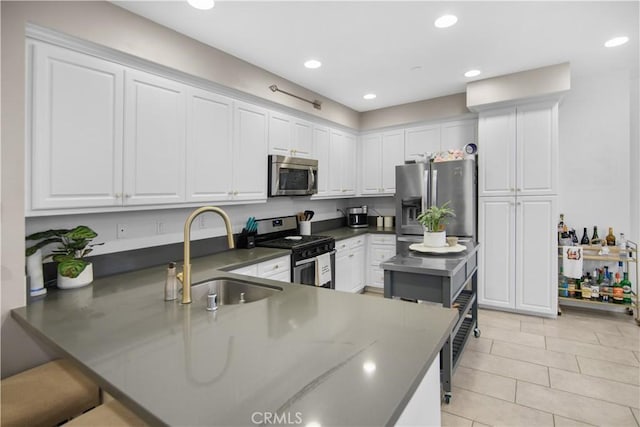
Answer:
(160, 227)
(121, 232)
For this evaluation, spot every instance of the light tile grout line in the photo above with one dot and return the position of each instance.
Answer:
(460, 416)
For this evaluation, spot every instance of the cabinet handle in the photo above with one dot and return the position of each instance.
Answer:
(235, 193)
(275, 267)
(519, 189)
(127, 195)
(118, 195)
(512, 189)
(519, 203)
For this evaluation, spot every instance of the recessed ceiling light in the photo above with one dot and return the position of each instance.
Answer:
(446, 21)
(202, 4)
(472, 73)
(616, 41)
(313, 63)
(370, 96)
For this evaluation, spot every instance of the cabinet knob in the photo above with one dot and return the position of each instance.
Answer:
(512, 189)
(275, 267)
(235, 193)
(351, 256)
(519, 189)
(127, 195)
(230, 193)
(118, 195)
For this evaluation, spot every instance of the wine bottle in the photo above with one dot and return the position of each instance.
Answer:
(611, 238)
(585, 237)
(618, 291)
(626, 289)
(574, 237)
(595, 239)
(604, 286)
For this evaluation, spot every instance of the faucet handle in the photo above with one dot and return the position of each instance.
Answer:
(212, 302)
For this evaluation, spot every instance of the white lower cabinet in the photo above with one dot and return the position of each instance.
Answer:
(380, 248)
(518, 255)
(350, 263)
(275, 269)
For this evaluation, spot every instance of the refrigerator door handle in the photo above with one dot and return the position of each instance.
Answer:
(434, 187)
(425, 190)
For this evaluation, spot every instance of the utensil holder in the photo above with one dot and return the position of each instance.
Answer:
(305, 228)
(246, 239)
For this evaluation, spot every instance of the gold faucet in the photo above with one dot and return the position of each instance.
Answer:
(185, 275)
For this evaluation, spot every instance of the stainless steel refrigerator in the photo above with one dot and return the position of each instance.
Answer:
(420, 185)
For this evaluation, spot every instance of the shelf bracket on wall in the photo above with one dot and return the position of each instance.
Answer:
(316, 104)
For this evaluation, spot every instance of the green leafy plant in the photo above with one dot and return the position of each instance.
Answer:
(435, 218)
(73, 246)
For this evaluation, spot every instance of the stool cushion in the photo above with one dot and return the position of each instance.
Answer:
(111, 414)
(47, 395)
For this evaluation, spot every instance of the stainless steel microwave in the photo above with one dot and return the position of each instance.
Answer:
(292, 176)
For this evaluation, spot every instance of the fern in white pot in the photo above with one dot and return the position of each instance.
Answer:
(434, 220)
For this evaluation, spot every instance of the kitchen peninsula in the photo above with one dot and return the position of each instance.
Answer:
(309, 354)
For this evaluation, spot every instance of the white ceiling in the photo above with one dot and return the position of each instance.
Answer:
(374, 46)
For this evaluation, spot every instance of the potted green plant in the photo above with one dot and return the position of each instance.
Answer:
(434, 220)
(73, 246)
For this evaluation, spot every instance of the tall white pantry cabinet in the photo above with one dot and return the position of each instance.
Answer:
(517, 209)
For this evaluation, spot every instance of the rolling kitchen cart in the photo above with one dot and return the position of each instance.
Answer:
(592, 253)
(448, 279)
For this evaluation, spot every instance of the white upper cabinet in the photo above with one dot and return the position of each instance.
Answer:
(380, 154)
(250, 152)
(209, 146)
(455, 135)
(537, 146)
(452, 135)
(321, 148)
(290, 136)
(342, 163)
(421, 140)
(519, 151)
(497, 156)
(154, 135)
(76, 144)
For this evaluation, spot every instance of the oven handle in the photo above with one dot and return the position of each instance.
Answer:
(307, 261)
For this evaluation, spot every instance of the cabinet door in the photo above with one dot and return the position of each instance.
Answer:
(337, 152)
(371, 146)
(348, 166)
(280, 134)
(537, 149)
(76, 147)
(154, 139)
(421, 140)
(392, 156)
(358, 262)
(536, 255)
(343, 271)
(209, 146)
(249, 152)
(455, 135)
(497, 161)
(496, 234)
(321, 148)
(302, 143)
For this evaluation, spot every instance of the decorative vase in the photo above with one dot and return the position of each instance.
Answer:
(83, 279)
(34, 271)
(436, 239)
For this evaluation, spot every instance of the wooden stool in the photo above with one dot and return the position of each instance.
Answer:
(47, 395)
(112, 414)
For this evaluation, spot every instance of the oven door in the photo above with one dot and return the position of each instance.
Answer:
(304, 272)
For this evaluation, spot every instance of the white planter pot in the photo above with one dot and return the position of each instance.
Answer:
(83, 279)
(34, 271)
(436, 239)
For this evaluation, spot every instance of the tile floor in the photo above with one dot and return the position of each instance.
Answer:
(582, 368)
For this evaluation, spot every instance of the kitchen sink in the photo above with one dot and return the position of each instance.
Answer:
(231, 291)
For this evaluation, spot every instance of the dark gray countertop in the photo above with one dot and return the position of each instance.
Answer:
(299, 351)
(409, 261)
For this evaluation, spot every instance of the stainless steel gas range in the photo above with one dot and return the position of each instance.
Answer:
(282, 233)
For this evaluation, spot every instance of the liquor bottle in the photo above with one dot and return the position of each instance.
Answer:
(574, 237)
(622, 246)
(561, 224)
(626, 289)
(618, 291)
(611, 238)
(585, 238)
(595, 240)
(585, 288)
(604, 286)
